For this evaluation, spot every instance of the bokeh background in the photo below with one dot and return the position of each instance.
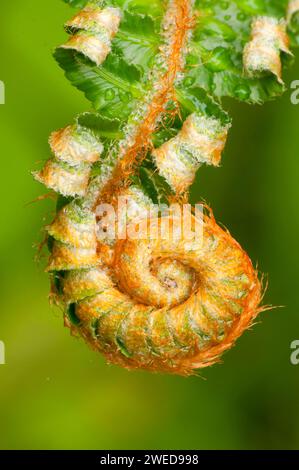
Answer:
(57, 394)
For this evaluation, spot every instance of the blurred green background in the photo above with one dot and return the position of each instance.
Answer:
(57, 394)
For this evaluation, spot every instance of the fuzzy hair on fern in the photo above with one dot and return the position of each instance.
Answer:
(155, 73)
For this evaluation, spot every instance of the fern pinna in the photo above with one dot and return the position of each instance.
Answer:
(155, 73)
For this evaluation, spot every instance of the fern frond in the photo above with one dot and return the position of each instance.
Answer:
(155, 73)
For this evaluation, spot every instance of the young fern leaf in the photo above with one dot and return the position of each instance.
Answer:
(155, 73)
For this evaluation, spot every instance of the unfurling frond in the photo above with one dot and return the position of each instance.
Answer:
(155, 73)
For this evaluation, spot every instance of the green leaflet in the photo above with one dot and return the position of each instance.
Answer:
(110, 87)
(107, 129)
(152, 183)
(137, 40)
(195, 99)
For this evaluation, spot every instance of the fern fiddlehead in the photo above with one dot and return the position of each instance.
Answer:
(155, 73)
